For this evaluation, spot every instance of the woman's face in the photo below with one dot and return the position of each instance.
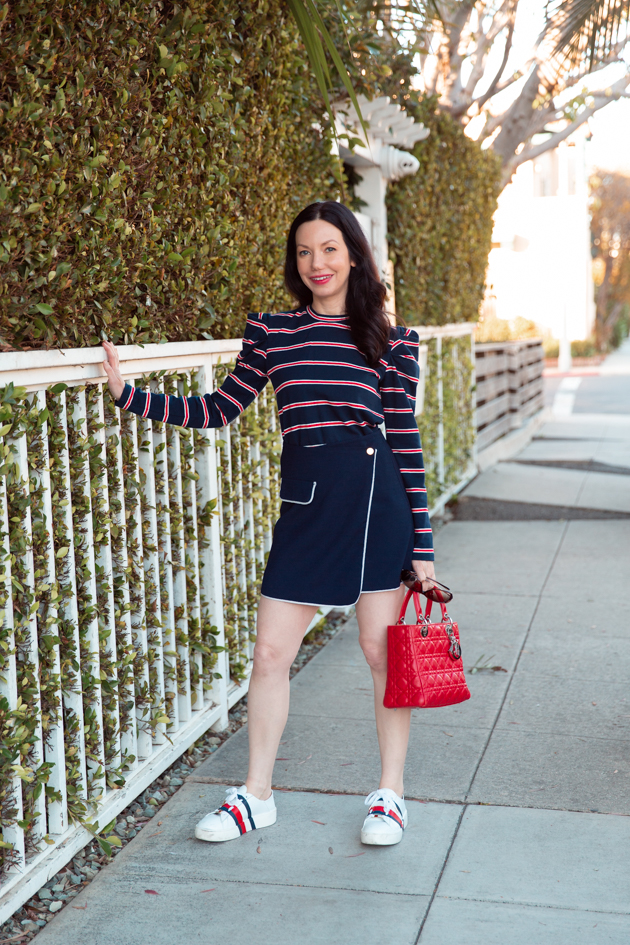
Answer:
(324, 264)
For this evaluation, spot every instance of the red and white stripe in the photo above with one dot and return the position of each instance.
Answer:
(127, 405)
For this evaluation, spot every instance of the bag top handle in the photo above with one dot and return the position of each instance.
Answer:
(427, 615)
(417, 603)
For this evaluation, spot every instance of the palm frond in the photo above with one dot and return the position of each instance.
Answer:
(317, 40)
(585, 31)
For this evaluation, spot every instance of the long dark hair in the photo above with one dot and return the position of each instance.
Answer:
(366, 293)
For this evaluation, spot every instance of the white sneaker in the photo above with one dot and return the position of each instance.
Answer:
(240, 813)
(387, 819)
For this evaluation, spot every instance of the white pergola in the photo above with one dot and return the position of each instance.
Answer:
(378, 160)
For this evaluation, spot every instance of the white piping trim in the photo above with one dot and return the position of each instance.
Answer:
(367, 522)
(283, 600)
(295, 502)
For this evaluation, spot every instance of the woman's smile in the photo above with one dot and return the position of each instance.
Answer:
(321, 280)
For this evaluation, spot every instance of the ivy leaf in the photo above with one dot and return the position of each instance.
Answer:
(44, 308)
(5, 429)
(174, 257)
(104, 845)
(25, 774)
(62, 552)
(58, 388)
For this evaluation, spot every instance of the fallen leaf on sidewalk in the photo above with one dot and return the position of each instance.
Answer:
(305, 760)
(318, 822)
(447, 733)
(350, 855)
(593, 703)
(346, 764)
(464, 871)
(152, 892)
(330, 849)
(160, 822)
(283, 759)
(258, 849)
(154, 834)
(209, 890)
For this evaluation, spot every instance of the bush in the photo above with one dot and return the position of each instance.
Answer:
(551, 348)
(152, 158)
(490, 328)
(440, 223)
(579, 349)
(583, 349)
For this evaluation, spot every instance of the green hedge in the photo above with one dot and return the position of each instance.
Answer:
(440, 223)
(152, 158)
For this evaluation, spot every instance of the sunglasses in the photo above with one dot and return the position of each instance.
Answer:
(439, 593)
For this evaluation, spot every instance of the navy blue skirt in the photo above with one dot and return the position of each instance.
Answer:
(345, 525)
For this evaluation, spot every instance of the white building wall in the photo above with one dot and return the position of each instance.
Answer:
(540, 266)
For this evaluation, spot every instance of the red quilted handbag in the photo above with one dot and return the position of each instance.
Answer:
(424, 661)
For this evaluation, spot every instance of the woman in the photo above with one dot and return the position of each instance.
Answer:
(354, 506)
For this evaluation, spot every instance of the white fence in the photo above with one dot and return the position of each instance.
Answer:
(132, 557)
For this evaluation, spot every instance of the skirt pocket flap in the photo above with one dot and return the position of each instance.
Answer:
(300, 491)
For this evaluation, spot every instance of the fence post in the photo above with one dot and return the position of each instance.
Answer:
(211, 578)
(473, 387)
(11, 832)
(48, 619)
(440, 394)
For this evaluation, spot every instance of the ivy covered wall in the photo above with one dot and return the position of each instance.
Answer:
(440, 223)
(151, 158)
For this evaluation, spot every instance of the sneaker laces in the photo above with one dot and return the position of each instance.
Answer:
(231, 797)
(384, 798)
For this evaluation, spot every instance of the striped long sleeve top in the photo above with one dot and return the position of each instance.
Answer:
(325, 391)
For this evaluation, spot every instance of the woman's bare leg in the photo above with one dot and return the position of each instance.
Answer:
(374, 613)
(281, 627)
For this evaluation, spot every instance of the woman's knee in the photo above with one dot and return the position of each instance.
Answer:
(269, 659)
(375, 654)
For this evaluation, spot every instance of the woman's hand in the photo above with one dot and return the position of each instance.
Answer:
(112, 369)
(425, 570)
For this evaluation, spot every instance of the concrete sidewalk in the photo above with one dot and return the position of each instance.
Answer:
(519, 799)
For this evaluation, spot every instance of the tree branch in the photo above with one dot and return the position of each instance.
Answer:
(450, 58)
(478, 43)
(493, 87)
(600, 100)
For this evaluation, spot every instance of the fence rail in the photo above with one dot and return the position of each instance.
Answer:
(132, 554)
